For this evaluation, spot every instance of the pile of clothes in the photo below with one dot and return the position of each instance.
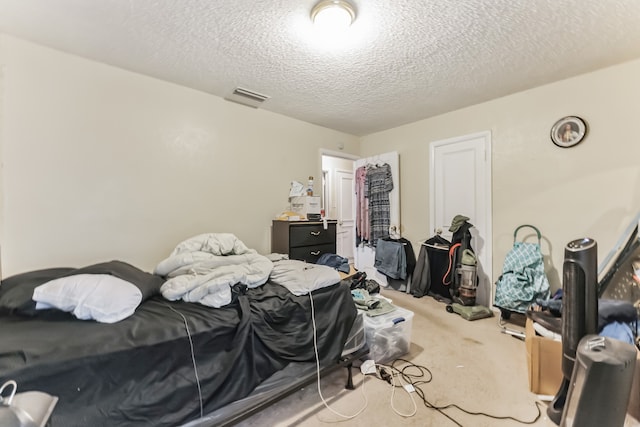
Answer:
(366, 295)
(616, 319)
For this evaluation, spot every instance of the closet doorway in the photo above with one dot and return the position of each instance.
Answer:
(338, 199)
(339, 202)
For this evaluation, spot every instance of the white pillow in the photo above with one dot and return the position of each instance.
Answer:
(102, 297)
(301, 277)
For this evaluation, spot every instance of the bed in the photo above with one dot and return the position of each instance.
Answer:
(172, 363)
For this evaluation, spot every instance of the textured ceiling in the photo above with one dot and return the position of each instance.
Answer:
(403, 60)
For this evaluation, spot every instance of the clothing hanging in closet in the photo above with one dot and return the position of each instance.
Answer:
(379, 185)
(373, 213)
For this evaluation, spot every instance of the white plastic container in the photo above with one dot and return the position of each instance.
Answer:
(304, 205)
(389, 335)
(355, 340)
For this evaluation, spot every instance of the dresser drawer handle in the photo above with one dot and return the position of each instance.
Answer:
(315, 233)
(315, 253)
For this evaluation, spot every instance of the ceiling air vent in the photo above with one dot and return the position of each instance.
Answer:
(247, 97)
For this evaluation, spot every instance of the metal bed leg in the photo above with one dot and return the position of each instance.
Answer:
(349, 385)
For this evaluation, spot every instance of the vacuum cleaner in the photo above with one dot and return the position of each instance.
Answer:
(465, 288)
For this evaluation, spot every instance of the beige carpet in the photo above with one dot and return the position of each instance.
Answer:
(473, 365)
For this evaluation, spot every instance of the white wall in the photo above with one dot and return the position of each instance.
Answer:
(590, 190)
(99, 163)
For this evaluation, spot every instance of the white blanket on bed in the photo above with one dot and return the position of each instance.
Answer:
(204, 268)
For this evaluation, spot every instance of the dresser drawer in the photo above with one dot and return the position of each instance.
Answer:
(303, 240)
(311, 253)
(311, 234)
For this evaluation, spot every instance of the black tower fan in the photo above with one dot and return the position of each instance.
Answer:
(579, 310)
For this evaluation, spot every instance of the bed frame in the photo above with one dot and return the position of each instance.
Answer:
(279, 386)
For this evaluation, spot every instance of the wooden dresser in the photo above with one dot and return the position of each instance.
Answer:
(303, 240)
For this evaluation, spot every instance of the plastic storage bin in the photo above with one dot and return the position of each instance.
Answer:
(356, 340)
(389, 335)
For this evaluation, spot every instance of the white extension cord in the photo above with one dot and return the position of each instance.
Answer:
(368, 367)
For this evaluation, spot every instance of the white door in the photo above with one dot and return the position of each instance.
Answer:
(460, 184)
(364, 254)
(345, 230)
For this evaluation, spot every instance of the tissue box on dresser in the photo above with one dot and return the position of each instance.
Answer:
(304, 205)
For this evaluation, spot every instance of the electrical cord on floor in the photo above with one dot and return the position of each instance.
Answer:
(409, 381)
(406, 386)
(315, 348)
(8, 401)
(416, 382)
(193, 358)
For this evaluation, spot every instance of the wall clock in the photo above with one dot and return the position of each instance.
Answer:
(568, 131)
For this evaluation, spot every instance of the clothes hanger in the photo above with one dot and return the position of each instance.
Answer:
(440, 246)
(441, 242)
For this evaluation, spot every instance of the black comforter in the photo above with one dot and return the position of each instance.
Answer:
(140, 371)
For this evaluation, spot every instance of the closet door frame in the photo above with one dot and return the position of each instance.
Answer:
(460, 183)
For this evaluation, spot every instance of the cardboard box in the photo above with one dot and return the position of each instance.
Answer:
(544, 359)
(304, 205)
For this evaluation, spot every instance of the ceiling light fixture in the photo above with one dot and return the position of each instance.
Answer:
(333, 14)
